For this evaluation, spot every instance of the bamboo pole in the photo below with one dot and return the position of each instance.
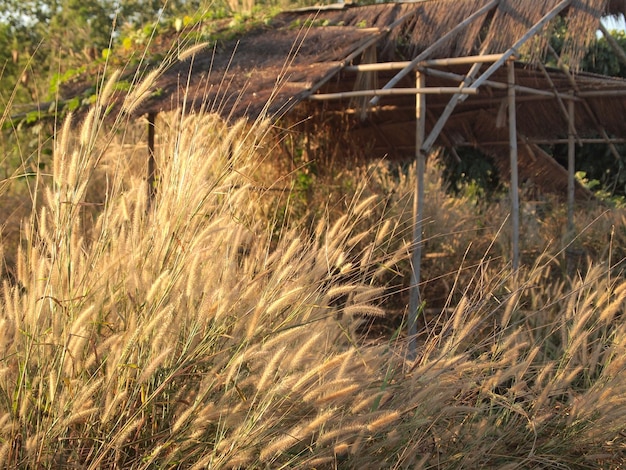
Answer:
(513, 50)
(418, 217)
(494, 84)
(514, 170)
(468, 60)
(571, 157)
(430, 140)
(433, 47)
(151, 159)
(393, 91)
(379, 67)
(447, 112)
(384, 66)
(601, 93)
(540, 142)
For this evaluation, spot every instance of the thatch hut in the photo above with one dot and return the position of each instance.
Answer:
(414, 75)
(320, 54)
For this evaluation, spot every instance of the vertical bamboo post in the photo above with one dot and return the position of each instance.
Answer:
(151, 159)
(418, 216)
(514, 175)
(571, 155)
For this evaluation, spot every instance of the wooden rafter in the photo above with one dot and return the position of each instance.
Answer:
(513, 50)
(433, 47)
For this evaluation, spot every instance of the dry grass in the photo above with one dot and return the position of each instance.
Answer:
(193, 333)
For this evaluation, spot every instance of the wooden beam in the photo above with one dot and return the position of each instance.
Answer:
(514, 169)
(382, 66)
(434, 46)
(393, 91)
(418, 218)
(447, 112)
(514, 50)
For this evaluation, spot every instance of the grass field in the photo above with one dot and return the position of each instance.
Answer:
(220, 325)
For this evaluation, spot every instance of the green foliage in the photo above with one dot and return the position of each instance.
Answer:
(594, 185)
(475, 175)
(600, 166)
(65, 77)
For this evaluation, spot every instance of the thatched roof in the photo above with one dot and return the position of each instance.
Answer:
(305, 52)
(299, 50)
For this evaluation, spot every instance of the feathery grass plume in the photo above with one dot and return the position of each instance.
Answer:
(364, 309)
(109, 87)
(286, 299)
(617, 305)
(368, 293)
(342, 433)
(385, 419)
(303, 350)
(87, 129)
(319, 370)
(156, 362)
(115, 400)
(126, 430)
(294, 436)
(192, 51)
(270, 368)
(338, 395)
(157, 287)
(140, 91)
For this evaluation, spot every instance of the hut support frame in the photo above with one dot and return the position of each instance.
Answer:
(418, 216)
(571, 161)
(514, 176)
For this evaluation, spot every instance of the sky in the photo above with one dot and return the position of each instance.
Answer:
(614, 23)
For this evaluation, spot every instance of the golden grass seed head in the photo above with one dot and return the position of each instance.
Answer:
(339, 396)
(281, 444)
(320, 462)
(384, 420)
(341, 449)
(109, 87)
(127, 428)
(366, 310)
(115, 399)
(617, 305)
(140, 92)
(157, 362)
(347, 431)
(270, 369)
(87, 130)
(287, 299)
(364, 295)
